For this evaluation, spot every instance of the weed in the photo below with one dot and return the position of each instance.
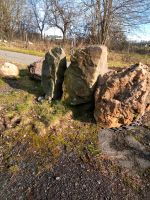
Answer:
(14, 169)
(1, 83)
(132, 182)
(126, 59)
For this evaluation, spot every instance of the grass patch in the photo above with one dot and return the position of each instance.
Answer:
(39, 131)
(1, 82)
(25, 51)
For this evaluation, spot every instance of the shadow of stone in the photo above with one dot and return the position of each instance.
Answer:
(83, 113)
(25, 83)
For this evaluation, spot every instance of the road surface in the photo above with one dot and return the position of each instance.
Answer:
(18, 57)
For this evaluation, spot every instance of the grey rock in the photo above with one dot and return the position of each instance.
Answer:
(53, 69)
(82, 74)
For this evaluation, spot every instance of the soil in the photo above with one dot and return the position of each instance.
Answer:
(70, 179)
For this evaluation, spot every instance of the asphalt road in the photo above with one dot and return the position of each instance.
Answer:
(18, 57)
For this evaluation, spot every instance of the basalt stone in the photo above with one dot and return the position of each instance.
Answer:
(53, 69)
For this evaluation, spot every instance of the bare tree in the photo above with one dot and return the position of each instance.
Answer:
(10, 16)
(106, 14)
(40, 10)
(62, 15)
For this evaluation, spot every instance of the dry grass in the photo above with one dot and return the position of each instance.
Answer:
(126, 59)
(39, 48)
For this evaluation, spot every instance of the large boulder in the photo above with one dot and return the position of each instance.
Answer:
(53, 69)
(9, 70)
(35, 70)
(123, 96)
(81, 76)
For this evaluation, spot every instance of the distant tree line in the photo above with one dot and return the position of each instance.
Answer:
(92, 21)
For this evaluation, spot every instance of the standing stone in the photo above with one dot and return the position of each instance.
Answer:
(81, 76)
(53, 70)
(122, 97)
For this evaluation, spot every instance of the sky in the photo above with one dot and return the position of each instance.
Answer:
(53, 31)
(141, 34)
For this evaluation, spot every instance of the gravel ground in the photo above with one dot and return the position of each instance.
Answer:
(70, 179)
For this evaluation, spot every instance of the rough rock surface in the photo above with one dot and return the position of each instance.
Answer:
(35, 69)
(128, 146)
(53, 69)
(9, 70)
(81, 76)
(123, 96)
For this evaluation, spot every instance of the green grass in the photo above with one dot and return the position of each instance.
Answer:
(45, 129)
(1, 83)
(25, 51)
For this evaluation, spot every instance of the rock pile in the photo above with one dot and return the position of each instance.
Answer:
(81, 76)
(122, 97)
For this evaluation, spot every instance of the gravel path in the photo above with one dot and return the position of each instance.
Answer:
(18, 57)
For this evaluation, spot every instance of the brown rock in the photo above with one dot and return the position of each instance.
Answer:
(122, 97)
(81, 76)
(35, 70)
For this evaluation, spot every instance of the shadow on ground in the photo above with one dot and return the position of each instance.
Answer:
(83, 113)
(24, 82)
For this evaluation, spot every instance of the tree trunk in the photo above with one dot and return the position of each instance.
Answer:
(105, 23)
(64, 36)
(41, 34)
(98, 20)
